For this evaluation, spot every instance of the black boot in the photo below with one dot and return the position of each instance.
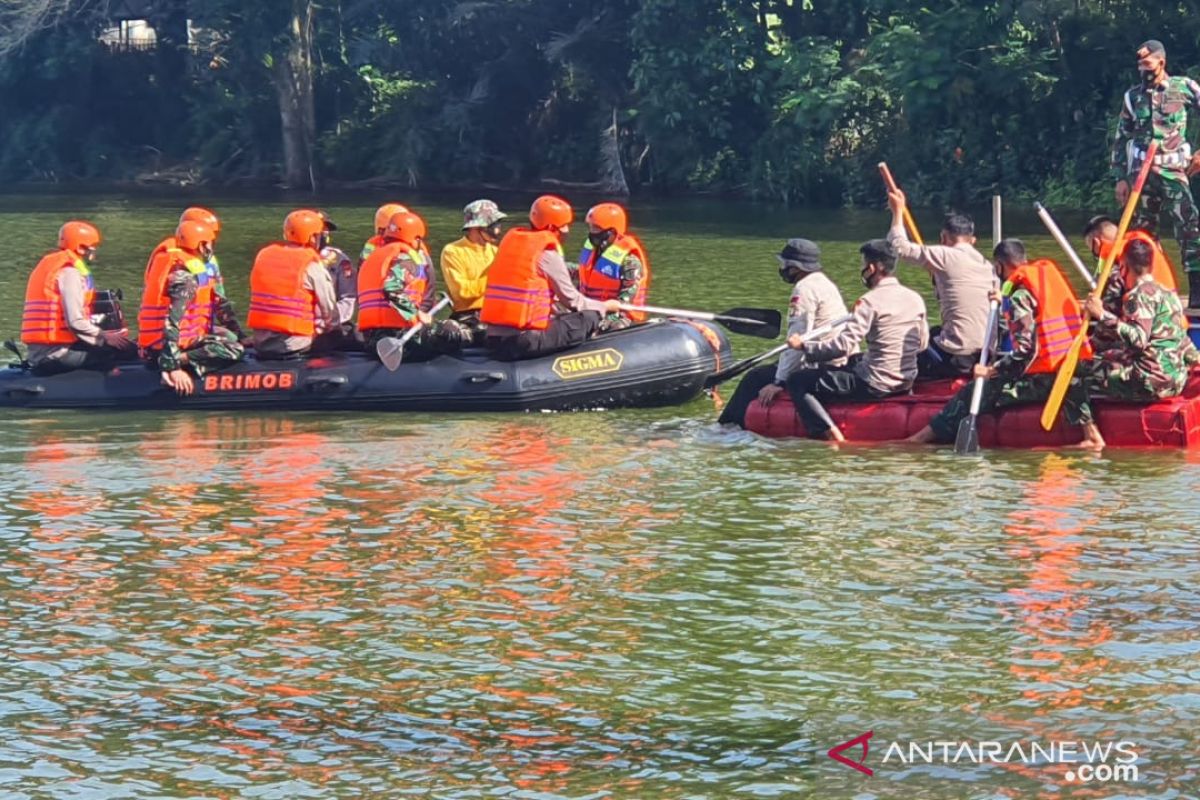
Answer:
(1193, 289)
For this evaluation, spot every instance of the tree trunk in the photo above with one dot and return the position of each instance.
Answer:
(293, 75)
(612, 175)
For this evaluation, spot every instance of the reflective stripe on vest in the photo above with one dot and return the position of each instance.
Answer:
(374, 309)
(518, 295)
(279, 301)
(600, 277)
(197, 318)
(43, 319)
(1059, 315)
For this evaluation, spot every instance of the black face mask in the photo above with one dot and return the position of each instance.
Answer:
(1148, 76)
(493, 233)
(788, 274)
(865, 275)
(323, 241)
(600, 240)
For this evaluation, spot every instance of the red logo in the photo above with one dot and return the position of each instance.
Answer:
(861, 741)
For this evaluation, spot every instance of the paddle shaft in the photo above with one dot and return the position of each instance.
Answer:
(988, 336)
(1062, 381)
(733, 370)
(997, 220)
(909, 222)
(706, 316)
(1052, 226)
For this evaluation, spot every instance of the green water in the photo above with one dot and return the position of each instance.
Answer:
(602, 605)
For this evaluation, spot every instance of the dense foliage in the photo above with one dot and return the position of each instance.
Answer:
(793, 100)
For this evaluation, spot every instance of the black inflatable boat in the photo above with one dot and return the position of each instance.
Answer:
(659, 363)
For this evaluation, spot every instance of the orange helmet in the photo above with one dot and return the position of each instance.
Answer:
(198, 214)
(385, 213)
(300, 226)
(550, 211)
(78, 236)
(191, 234)
(405, 227)
(608, 215)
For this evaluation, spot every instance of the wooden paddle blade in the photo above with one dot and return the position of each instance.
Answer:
(391, 352)
(967, 441)
(765, 323)
(1062, 381)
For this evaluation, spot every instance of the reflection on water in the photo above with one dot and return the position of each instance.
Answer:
(595, 605)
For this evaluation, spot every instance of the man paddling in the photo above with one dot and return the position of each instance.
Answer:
(1153, 354)
(531, 306)
(891, 318)
(1043, 317)
(815, 301)
(962, 278)
(1100, 233)
(1157, 109)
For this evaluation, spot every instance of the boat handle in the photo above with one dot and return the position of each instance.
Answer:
(325, 382)
(26, 391)
(484, 377)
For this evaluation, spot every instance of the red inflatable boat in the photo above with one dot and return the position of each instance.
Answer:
(1167, 423)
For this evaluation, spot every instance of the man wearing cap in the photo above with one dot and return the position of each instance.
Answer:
(1156, 109)
(465, 263)
(815, 302)
(962, 280)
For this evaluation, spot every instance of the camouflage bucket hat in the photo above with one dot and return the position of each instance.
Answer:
(481, 214)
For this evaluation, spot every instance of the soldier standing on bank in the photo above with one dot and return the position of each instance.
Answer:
(1156, 109)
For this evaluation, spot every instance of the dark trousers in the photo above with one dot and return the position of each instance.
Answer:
(84, 356)
(937, 363)
(443, 338)
(752, 383)
(565, 330)
(827, 383)
(470, 321)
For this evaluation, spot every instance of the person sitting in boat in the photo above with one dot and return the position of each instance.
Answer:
(465, 263)
(815, 301)
(293, 306)
(890, 317)
(57, 321)
(1042, 316)
(344, 274)
(176, 325)
(392, 285)
(224, 313)
(1099, 234)
(531, 306)
(383, 216)
(613, 265)
(1154, 355)
(962, 279)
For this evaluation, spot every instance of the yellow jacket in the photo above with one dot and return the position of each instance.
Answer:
(464, 266)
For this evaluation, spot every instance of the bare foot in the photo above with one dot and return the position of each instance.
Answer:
(923, 436)
(1092, 440)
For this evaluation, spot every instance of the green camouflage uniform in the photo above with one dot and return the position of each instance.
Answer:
(224, 314)
(1153, 354)
(631, 275)
(446, 336)
(1011, 386)
(218, 349)
(1161, 113)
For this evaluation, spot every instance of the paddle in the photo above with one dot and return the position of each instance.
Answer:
(746, 364)
(765, 323)
(390, 349)
(909, 222)
(997, 220)
(967, 440)
(1066, 370)
(1051, 226)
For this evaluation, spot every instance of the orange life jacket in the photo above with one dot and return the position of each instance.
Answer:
(600, 275)
(279, 301)
(152, 317)
(374, 310)
(1160, 266)
(44, 320)
(1059, 314)
(518, 294)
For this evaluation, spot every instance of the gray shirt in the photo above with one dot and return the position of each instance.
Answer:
(344, 275)
(317, 280)
(566, 297)
(892, 319)
(815, 301)
(72, 287)
(962, 278)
